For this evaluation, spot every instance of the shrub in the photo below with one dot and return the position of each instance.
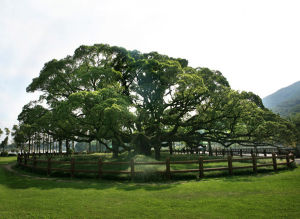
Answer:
(4, 154)
(12, 155)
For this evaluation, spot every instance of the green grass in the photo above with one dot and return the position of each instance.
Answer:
(271, 195)
(6, 160)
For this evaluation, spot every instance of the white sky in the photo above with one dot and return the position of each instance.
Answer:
(255, 43)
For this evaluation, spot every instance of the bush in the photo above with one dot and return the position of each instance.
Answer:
(297, 151)
(4, 154)
(12, 155)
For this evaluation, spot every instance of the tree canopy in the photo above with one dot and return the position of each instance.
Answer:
(142, 100)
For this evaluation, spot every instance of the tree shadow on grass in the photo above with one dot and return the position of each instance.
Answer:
(19, 179)
(249, 176)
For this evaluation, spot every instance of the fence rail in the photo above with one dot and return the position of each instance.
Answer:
(248, 151)
(232, 152)
(26, 161)
(213, 152)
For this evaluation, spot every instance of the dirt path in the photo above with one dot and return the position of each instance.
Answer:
(9, 168)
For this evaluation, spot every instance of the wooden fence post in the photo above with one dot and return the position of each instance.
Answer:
(34, 162)
(72, 162)
(49, 166)
(229, 158)
(25, 160)
(168, 169)
(254, 163)
(288, 161)
(241, 152)
(274, 161)
(216, 152)
(132, 169)
(99, 167)
(231, 152)
(201, 171)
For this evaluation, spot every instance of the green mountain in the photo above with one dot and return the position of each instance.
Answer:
(285, 101)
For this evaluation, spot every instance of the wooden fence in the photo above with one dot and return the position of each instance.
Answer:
(214, 152)
(26, 161)
(232, 152)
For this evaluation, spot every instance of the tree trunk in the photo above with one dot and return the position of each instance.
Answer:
(50, 144)
(209, 149)
(67, 146)
(29, 145)
(157, 152)
(48, 140)
(90, 148)
(142, 145)
(43, 144)
(170, 147)
(60, 146)
(115, 148)
(33, 144)
(97, 146)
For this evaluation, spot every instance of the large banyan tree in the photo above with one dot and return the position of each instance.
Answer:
(141, 101)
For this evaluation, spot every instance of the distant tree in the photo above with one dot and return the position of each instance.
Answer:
(18, 137)
(5, 141)
(7, 131)
(295, 119)
(81, 146)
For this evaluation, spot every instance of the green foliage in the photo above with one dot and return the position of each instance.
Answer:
(4, 143)
(4, 154)
(140, 101)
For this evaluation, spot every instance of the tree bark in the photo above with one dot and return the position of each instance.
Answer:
(29, 145)
(209, 149)
(90, 148)
(142, 145)
(157, 152)
(115, 148)
(60, 146)
(43, 144)
(67, 146)
(97, 146)
(170, 147)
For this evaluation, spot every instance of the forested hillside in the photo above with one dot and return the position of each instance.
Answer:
(285, 101)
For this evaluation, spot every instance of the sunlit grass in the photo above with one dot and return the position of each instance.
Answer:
(266, 195)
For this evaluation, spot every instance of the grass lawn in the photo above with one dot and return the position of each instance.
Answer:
(271, 195)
